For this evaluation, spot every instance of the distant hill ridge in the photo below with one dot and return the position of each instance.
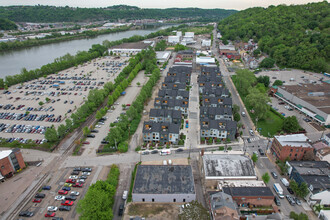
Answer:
(40, 13)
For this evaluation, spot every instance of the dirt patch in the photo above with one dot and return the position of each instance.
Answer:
(104, 173)
(317, 126)
(153, 211)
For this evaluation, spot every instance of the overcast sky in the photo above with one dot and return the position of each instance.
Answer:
(227, 4)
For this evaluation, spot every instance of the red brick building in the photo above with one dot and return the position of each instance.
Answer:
(294, 146)
(251, 196)
(10, 162)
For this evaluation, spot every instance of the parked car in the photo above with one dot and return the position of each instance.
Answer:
(290, 200)
(73, 177)
(68, 184)
(59, 198)
(26, 213)
(57, 218)
(277, 201)
(298, 202)
(52, 209)
(46, 187)
(145, 152)
(261, 152)
(290, 190)
(64, 208)
(91, 135)
(83, 177)
(87, 169)
(251, 132)
(75, 172)
(40, 195)
(65, 188)
(125, 193)
(179, 150)
(154, 152)
(86, 173)
(67, 203)
(248, 140)
(274, 175)
(121, 210)
(77, 169)
(62, 192)
(74, 193)
(50, 214)
(71, 198)
(307, 120)
(78, 185)
(36, 200)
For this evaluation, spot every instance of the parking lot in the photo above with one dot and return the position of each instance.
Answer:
(27, 110)
(53, 197)
(291, 77)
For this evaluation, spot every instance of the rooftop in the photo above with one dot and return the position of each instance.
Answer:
(4, 153)
(295, 140)
(248, 191)
(162, 179)
(205, 60)
(163, 127)
(136, 45)
(315, 168)
(220, 199)
(317, 95)
(162, 55)
(227, 165)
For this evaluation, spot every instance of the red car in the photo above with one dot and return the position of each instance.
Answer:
(62, 192)
(50, 214)
(78, 185)
(67, 203)
(37, 200)
(86, 142)
(70, 181)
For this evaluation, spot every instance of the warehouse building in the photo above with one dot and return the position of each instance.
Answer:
(11, 161)
(164, 183)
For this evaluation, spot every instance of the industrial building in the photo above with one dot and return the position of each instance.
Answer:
(310, 99)
(128, 49)
(221, 166)
(164, 183)
(11, 161)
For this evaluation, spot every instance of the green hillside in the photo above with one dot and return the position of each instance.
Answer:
(70, 14)
(295, 36)
(6, 24)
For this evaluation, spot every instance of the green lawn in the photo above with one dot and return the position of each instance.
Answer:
(272, 125)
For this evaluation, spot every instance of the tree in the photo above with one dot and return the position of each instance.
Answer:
(256, 52)
(51, 135)
(259, 102)
(194, 210)
(235, 108)
(267, 63)
(138, 83)
(303, 190)
(41, 103)
(86, 131)
(98, 115)
(2, 84)
(61, 130)
(266, 178)
(110, 100)
(237, 116)
(301, 216)
(264, 80)
(123, 147)
(254, 158)
(290, 124)
(277, 83)
(47, 99)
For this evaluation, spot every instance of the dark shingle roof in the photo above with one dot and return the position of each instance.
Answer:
(157, 127)
(164, 179)
(248, 191)
(215, 111)
(173, 93)
(165, 113)
(214, 124)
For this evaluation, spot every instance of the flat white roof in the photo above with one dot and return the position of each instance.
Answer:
(205, 60)
(295, 140)
(5, 153)
(162, 55)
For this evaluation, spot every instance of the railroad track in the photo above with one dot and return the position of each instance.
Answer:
(28, 198)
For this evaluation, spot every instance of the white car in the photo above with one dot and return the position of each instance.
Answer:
(97, 126)
(86, 173)
(251, 132)
(73, 177)
(52, 209)
(59, 198)
(74, 193)
(125, 195)
(81, 181)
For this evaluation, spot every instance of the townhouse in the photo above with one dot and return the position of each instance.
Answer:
(161, 132)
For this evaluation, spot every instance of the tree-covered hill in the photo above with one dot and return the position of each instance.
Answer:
(6, 24)
(295, 36)
(70, 14)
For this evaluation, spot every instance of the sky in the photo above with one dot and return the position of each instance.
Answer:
(226, 4)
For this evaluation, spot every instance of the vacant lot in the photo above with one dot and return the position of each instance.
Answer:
(153, 211)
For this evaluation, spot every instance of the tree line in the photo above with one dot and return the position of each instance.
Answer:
(6, 24)
(119, 135)
(55, 38)
(100, 197)
(41, 13)
(294, 36)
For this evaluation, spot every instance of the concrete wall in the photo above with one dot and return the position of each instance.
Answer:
(163, 197)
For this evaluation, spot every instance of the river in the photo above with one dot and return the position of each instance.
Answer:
(12, 62)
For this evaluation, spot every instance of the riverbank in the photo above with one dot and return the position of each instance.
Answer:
(57, 37)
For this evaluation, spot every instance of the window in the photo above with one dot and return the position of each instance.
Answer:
(174, 200)
(291, 150)
(297, 150)
(143, 200)
(184, 200)
(153, 200)
(2, 167)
